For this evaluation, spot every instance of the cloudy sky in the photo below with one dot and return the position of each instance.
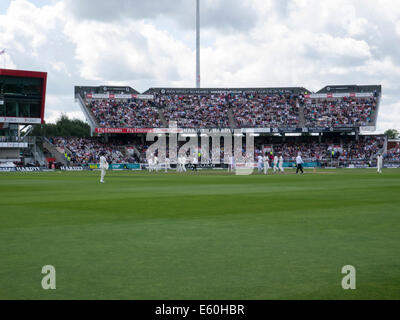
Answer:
(252, 43)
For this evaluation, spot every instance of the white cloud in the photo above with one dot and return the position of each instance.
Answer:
(131, 51)
(53, 111)
(389, 117)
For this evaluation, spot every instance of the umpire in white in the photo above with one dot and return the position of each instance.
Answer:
(299, 163)
(103, 166)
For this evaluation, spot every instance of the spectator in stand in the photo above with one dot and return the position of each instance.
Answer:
(88, 150)
(119, 114)
(339, 112)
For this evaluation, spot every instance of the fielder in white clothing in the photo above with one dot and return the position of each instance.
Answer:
(266, 163)
(195, 162)
(281, 164)
(167, 164)
(380, 162)
(260, 163)
(150, 163)
(183, 164)
(276, 159)
(179, 164)
(155, 163)
(103, 167)
(232, 165)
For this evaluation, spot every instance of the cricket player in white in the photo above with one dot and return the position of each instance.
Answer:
(266, 163)
(150, 163)
(195, 162)
(184, 163)
(167, 164)
(276, 164)
(281, 164)
(179, 164)
(380, 162)
(260, 163)
(155, 163)
(232, 164)
(103, 167)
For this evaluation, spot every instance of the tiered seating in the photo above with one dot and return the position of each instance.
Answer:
(339, 112)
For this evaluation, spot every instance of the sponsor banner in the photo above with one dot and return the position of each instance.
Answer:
(207, 166)
(290, 130)
(166, 130)
(342, 128)
(133, 166)
(97, 96)
(218, 91)
(169, 130)
(339, 95)
(256, 130)
(76, 168)
(124, 130)
(117, 166)
(361, 166)
(305, 165)
(13, 145)
(7, 169)
(21, 120)
(367, 128)
(225, 130)
(364, 94)
(28, 169)
(391, 165)
(119, 96)
(144, 96)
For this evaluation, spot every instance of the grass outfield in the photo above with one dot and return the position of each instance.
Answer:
(204, 236)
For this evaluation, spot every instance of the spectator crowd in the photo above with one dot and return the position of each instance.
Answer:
(339, 112)
(89, 150)
(119, 114)
(265, 111)
(248, 110)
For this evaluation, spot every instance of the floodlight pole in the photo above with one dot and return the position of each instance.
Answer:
(197, 43)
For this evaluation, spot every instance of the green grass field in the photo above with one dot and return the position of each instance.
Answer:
(200, 236)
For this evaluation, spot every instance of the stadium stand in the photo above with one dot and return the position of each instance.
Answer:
(286, 109)
(119, 114)
(273, 111)
(393, 152)
(343, 150)
(88, 150)
(195, 111)
(339, 112)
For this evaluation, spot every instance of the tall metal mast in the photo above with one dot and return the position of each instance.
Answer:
(197, 43)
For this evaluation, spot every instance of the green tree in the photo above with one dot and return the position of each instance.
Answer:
(392, 133)
(64, 127)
